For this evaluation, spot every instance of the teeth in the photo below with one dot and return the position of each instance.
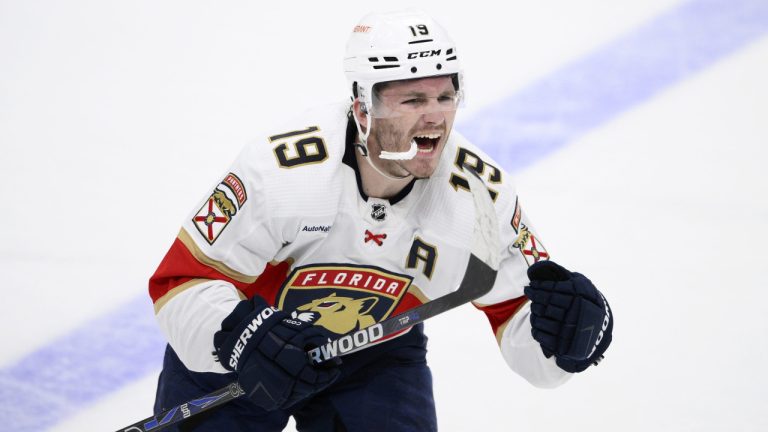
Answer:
(430, 136)
(426, 150)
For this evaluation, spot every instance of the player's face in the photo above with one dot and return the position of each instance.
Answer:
(422, 110)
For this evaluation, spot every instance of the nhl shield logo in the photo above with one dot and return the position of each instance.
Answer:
(342, 298)
(378, 212)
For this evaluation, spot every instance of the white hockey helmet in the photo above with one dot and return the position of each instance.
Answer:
(398, 46)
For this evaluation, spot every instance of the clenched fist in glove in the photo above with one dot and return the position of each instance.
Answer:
(267, 349)
(570, 318)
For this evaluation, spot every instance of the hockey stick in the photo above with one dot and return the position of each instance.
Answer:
(478, 279)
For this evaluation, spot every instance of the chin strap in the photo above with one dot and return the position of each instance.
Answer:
(406, 155)
(363, 135)
(364, 151)
(362, 147)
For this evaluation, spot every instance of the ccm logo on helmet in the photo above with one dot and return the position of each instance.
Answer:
(429, 53)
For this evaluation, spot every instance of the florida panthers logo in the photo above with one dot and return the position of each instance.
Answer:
(339, 314)
(342, 298)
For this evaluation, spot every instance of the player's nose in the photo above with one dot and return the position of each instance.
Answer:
(434, 117)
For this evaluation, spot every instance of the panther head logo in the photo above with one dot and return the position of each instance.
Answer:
(342, 314)
(225, 204)
(522, 239)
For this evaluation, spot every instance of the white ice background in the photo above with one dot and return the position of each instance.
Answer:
(117, 116)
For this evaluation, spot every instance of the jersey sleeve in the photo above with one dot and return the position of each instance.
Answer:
(506, 306)
(221, 255)
(233, 245)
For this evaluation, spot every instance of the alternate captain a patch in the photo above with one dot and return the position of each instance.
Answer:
(223, 204)
(530, 246)
(342, 298)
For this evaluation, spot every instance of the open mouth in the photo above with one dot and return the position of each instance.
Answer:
(427, 142)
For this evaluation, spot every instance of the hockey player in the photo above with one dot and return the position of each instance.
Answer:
(344, 216)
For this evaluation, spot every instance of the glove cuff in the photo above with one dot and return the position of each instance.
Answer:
(548, 271)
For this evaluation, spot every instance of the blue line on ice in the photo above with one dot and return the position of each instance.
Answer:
(559, 108)
(93, 360)
(124, 345)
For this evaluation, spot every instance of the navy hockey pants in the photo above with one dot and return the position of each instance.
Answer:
(384, 388)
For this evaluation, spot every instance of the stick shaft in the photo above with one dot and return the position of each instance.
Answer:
(186, 410)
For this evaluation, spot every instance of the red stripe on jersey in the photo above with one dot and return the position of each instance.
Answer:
(270, 281)
(179, 266)
(408, 302)
(500, 313)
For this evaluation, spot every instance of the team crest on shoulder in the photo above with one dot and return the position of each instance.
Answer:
(223, 204)
(342, 298)
(530, 246)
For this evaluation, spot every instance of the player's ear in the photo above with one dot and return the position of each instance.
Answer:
(359, 110)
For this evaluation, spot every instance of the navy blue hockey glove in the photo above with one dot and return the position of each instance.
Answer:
(570, 318)
(267, 349)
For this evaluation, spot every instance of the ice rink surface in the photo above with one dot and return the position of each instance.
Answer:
(637, 133)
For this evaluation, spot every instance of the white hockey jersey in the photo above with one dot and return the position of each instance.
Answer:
(289, 222)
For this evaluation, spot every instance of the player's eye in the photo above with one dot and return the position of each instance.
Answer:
(415, 101)
(446, 99)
